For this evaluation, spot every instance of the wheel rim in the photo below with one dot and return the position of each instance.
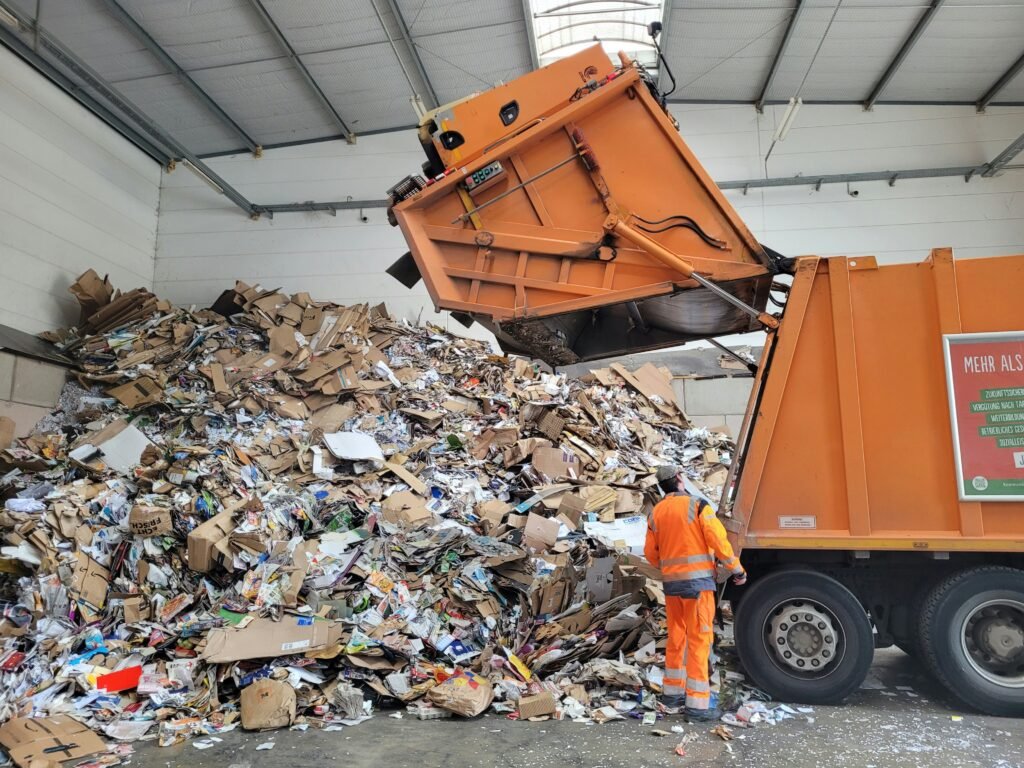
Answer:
(803, 638)
(992, 639)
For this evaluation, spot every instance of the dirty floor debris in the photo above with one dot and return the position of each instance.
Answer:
(880, 728)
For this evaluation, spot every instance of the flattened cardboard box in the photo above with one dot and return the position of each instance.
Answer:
(90, 581)
(268, 704)
(536, 706)
(572, 506)
(540, 532)
(204, 538)
(150, 521)
(405, 507)
(266, 639)
(57, 739)
(492, 513)
(117, 446)
(556, 463)
(134, 394)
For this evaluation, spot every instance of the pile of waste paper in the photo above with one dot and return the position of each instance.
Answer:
(279, 511)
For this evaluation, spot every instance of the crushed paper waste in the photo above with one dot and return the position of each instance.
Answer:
(337, 503)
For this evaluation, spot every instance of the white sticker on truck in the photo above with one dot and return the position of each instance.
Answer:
(798, 521)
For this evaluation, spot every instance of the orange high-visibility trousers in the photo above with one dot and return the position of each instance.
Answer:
(690, 636)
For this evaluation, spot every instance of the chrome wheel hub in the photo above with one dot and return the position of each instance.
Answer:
(992, 639)
(803, 636)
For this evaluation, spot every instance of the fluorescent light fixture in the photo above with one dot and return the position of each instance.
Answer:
(787, 119)
(418, 106)
(198, 172)
(6, 17)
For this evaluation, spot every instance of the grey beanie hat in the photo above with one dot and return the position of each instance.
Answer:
(666, 471)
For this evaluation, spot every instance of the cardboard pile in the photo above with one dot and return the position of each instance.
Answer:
(281, 510)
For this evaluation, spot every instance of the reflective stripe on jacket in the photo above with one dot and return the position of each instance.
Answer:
(683, 539)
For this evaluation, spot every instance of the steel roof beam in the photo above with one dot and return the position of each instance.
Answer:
(90, 77)
(531, 41)
(786, 38)
(1001, 83)
(416, 60)
(903, 52)
(165, 59)
(83, 97)
(1003, 158)
(278, 35)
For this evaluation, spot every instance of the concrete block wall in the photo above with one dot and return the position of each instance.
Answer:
(714, 402)
(29, 389)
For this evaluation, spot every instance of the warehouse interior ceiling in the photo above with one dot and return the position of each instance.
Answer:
(229, 76)
(564, 27)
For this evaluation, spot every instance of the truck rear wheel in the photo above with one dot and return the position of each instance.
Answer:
(803, 636)
(912, 643)
(973, 638)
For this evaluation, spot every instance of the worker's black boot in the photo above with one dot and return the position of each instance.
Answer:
(702, 715)
(674, 704)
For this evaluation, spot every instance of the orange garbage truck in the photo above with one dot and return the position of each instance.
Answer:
(877, 491)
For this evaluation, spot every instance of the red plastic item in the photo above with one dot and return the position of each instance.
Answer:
(122, 680)
(13, 661)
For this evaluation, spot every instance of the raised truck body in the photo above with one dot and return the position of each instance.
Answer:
(877, 494)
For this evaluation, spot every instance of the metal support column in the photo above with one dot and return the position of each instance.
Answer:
(903, 52)
(278, 35)
(797, 9)
(164, 58)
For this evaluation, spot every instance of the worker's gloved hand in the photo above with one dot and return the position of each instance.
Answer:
(740, 579)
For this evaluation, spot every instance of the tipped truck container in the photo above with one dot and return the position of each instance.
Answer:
(877, 494)
(564, 212)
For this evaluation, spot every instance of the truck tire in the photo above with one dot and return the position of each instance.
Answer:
(804, 637)
(912, 644)
(972, 636)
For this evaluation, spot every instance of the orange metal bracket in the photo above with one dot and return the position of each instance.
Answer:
(948, 302)
(785, 345)
(843, 325)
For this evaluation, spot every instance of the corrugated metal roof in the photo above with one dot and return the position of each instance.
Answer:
(201, 35)
(723, 52)
(719, 50)
(968, 46)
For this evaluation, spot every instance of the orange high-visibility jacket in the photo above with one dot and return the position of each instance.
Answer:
(683, 539)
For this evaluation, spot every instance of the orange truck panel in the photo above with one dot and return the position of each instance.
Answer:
(575, 231)
(547, 217)
(851, 447)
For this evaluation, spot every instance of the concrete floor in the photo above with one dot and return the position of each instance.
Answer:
(882, 726)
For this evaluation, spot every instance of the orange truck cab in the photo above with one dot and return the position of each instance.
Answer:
(877, 492)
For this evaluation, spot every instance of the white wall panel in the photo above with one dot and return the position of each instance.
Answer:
(73, 195)
(205, 242)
